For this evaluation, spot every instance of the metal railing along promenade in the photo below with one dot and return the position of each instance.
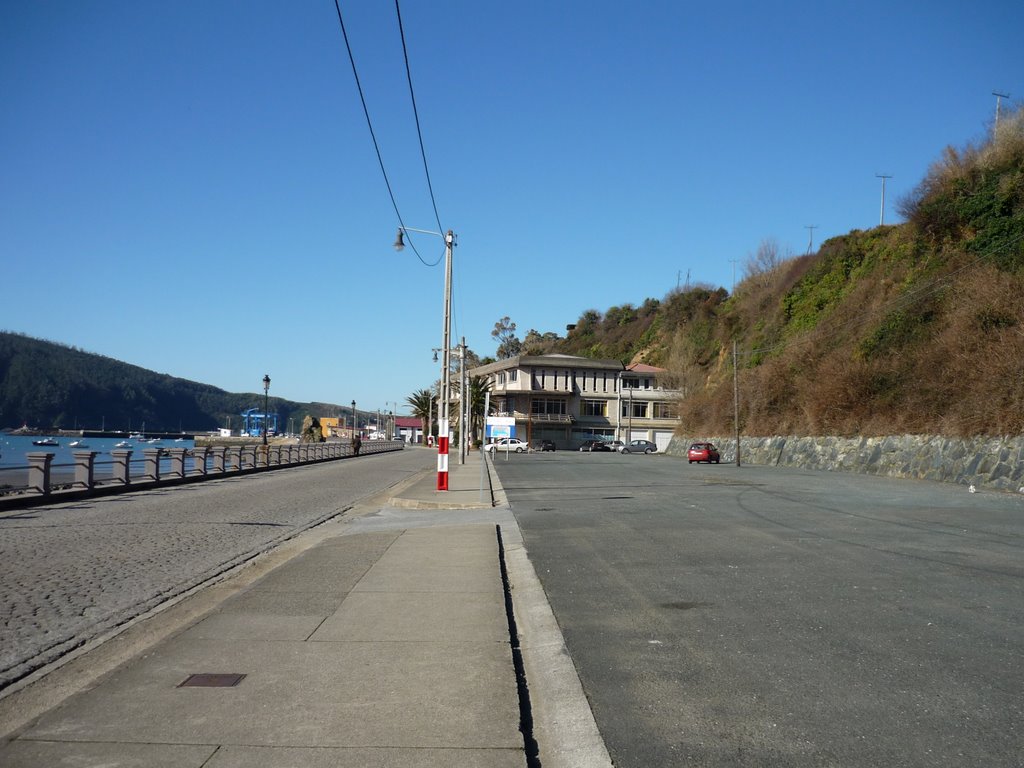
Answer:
(43, 480)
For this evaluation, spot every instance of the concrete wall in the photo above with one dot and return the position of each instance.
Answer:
(996, 463)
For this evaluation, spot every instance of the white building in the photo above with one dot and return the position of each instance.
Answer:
(571, 399)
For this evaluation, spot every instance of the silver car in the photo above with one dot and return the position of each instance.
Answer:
(639, 446)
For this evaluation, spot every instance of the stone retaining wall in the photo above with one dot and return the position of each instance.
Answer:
(996, 463)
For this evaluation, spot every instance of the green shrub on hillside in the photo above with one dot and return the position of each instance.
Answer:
(975, 197)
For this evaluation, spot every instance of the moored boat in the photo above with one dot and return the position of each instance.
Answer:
(45, 441)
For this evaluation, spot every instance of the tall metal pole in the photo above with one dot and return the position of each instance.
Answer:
(810, 244)
(483, 442)
(618, 421)
(463, 405)
(266, 416)
(881, 216)
(443, 416)
(998, 97)
(736, 400)
(629, 427)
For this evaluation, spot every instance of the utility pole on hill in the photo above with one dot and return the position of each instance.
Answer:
(881, 216)
(998, 96)
(810, 244)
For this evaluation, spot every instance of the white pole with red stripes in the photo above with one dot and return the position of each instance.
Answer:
(442, 418)
(446, 346)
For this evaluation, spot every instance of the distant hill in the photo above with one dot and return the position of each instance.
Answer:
(45, 385)
(912, 328)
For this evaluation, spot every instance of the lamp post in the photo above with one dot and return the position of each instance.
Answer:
(442, 416)
(629, 427)
(266, 395)
(353, 420)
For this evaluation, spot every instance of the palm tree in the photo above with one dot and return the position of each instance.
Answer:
(479, 386)
(421, 402)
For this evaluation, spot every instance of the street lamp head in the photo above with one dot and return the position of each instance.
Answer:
(266, 381)
(400, 240)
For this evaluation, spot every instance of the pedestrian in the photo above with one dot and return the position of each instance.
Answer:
(357, 443)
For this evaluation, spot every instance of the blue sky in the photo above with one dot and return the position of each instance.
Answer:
(191, 186)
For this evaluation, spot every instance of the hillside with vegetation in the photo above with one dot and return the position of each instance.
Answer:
(47, 386)
(912, 328)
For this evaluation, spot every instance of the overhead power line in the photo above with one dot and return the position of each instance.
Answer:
(416, 115)
(369, 124)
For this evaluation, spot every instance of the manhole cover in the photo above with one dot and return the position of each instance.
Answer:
(207, 680)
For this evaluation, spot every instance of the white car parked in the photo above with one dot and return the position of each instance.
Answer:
(507, 444)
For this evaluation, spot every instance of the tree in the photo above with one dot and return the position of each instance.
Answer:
(764, 265)
(421, 402)
(479, 386)
(509, 344)
(536, 343)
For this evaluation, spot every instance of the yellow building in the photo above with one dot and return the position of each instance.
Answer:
(332, 426)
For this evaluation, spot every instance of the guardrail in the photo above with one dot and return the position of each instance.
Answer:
(43, 480)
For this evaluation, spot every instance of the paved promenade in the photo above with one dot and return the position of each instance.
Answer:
(381, 638)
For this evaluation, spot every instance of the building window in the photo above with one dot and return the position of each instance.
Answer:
(513, 375)
(628, 383)
(664, 411)
(594, 408)
(501, 379)
(639, 409)
(547, 405)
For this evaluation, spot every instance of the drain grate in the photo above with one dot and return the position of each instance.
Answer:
(214, 680)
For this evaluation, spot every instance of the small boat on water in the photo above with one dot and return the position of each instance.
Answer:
(45, 441)
(78, 444)
(123, 444)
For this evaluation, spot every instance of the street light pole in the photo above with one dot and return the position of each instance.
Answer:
(463, 404)
(353, 421)
(266, 415)
(443, 414)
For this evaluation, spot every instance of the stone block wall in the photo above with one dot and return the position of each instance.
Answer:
(995, 463)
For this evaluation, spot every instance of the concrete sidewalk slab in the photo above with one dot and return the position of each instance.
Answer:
(469, 487)
(300, 694)
(415, 617)
(372, 649)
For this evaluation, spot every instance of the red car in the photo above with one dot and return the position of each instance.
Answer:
(703, 452)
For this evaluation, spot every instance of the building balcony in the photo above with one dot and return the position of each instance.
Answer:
(545, 418)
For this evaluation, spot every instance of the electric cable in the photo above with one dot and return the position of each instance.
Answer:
(376, 146)
(416, 115)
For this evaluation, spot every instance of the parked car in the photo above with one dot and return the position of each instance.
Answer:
(507, 444)
(595, 445)
(703, 452)
(547, 445)
(616, 445)
(639, 446)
